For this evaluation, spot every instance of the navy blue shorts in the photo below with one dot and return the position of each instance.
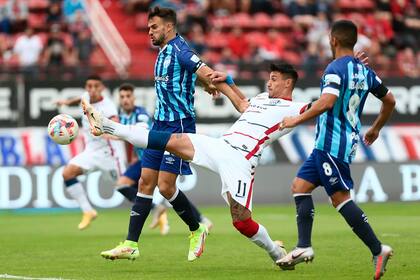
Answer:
(133, 171)
(321, 169)
(165, 161)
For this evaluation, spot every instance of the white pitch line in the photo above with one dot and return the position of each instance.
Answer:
(8, 276)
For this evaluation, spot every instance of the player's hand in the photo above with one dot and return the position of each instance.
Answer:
(370, 136)
(217, 77)
(212, 90)
(288, 122)
(362, 56)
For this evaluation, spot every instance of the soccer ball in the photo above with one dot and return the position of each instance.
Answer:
(63, 129)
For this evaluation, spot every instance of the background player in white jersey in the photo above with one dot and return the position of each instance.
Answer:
(100, 152)
(345, 86)
(234, 156)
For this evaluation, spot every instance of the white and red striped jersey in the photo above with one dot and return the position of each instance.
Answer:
(108, 109)
(258, 126)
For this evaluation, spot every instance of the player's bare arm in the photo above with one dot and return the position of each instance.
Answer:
(388, 104)
(204, 74)
(324, 103)
(68, 102)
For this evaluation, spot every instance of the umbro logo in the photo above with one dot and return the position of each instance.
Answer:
(134, 213)
(333, 180)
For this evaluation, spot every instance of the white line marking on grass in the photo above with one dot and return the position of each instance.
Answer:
(390, 235)
(8, 276)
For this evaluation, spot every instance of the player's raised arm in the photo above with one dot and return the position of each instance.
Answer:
(224, 84)
(68, 102)
(324, 103)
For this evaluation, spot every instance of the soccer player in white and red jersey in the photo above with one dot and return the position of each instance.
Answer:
(235, 155)
(104, 153)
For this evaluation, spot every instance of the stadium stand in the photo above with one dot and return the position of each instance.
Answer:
(241, 35)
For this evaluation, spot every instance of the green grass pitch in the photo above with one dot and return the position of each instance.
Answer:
(48, 245)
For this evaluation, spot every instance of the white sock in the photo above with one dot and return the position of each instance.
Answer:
(263, 240)
(135, 134)
(77, 192)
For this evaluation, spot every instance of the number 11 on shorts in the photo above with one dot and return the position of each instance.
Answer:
(241, 189)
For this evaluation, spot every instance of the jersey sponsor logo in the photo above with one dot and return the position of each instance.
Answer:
(162, 78)
(362, 85)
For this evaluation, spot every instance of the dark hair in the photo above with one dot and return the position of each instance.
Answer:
(127, 87)
(94, 77)
(166, 14)
(287, 70)
(345, 31)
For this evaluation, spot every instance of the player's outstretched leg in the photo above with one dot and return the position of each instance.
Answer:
(136, 135)
(256, 233)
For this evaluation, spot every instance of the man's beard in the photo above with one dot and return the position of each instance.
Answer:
(158, 41)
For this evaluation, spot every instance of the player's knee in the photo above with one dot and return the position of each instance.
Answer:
(166, 190)
(124, 181)
(247, 227)
(145, 186)
(69, 173)
(294, 188)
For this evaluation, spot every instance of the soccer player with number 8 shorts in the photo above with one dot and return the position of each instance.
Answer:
(346, 84)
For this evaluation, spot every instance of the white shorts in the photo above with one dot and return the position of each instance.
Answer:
(100, 159)
(236, 173)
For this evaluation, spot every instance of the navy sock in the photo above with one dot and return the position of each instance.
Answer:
(138, 216)
(196, 212)
(358, 221)
(182, 207)
(129, 192)
(305, 218)
(70, 182)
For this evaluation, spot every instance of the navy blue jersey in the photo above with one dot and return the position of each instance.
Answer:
(175, 78)
(139, 115)
(337, 130)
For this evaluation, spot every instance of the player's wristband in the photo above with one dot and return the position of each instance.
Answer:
(229, 80)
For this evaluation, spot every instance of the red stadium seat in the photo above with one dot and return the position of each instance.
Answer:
(281, 21)
(262, 20)
(216, 40)
(222, 22)
(242, 20)
(256, 38)
(37, 21)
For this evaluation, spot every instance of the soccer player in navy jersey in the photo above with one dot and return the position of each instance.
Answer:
(176, 69)
(345, 86)
(127, 184)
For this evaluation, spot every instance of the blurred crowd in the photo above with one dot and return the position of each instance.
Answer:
(41, 37)
(241, 36)
(238, 36)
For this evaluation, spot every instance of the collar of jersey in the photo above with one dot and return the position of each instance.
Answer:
(164, 47)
